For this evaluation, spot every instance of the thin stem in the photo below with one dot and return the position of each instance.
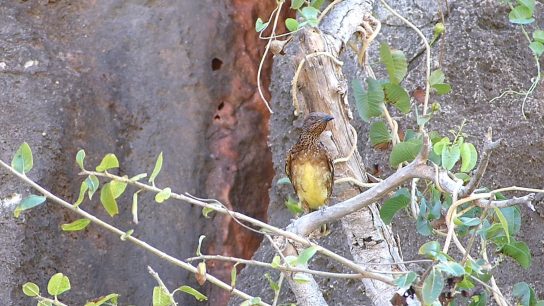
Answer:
(120, 233)
(162, 285)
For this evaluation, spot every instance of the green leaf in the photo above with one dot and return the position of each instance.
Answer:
(80, 156)
(233, 276)
(390, 207)
(200, 239)
(276, 262)
(479, 300)
(138, 177)
(519, 251)
(58, 284)
(538, 35)
(44, 303)
(309, 12)
(438, 146)
(31, 289)
(127, 234)
(27, 203)
(537, 48)
(118, 187)
(405, 151)
(108, 162)
(77, 225)
(395, 63)
(206, 211)
(82, 191)
(112, 298)
(93, 183)
(272, 283)
(466, 221)
(296, 4)
(291, 24)
(432, 286)
(260, 25)
(301, 278)
(504, 223)
(404, 282)
(430, 249)
(197, 295)
(450, 156)
(469, 157)
(163, 195)
(253, 301)
(530, 4)
(512, 215)
(369, 103)
(524, 294)
(423, 226)
(293, 206)
(160, 297)
(398, 96)
(156, 169)
(317, 3)
(521, 14)
(22, 160)
(306, 255)
(283, 181)
(108, 200)
(379, 133)
(442, 88)
(452, 268)
(437, 77)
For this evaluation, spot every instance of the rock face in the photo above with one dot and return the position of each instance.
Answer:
(134, 79)
(482, 55)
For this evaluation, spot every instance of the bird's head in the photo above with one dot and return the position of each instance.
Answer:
(315, 123)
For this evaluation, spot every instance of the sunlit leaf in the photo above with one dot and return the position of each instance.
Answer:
(163, 195)
(27, 203)
(260, 25)
(93, 183)
(138, 177)
(22, 161)
(309, 12)
(452, 268)
(504, 223)
(293, 206)
(80, 157)
(317, 3)
(31, 289)
(118, 187)
(296, 4)
(156, 169)
(538, 35)
(437, 77)
(469, 157)
(271, 282)
(77, 225)
(58, 284)
(108, 162)
(127, 234)
(291, 24)
(537, 48)
(197, 295)
(430, 249)
(160, 297)
(82, 191)
(521, 14)
(306, 255)
(108, 200)
(450, 156)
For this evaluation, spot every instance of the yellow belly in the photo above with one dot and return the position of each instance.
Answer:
(312, 184)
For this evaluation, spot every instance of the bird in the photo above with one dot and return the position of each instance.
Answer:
(309, 166)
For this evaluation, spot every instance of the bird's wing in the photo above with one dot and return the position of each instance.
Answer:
(331, 169)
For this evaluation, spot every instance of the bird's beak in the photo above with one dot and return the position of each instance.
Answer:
(328, 118)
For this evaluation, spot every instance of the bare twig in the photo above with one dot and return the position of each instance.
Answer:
(120, 233)
(162, 285)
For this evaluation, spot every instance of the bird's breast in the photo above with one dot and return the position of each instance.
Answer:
(313, 182)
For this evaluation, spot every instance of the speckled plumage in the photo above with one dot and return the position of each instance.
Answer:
(309, 165)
